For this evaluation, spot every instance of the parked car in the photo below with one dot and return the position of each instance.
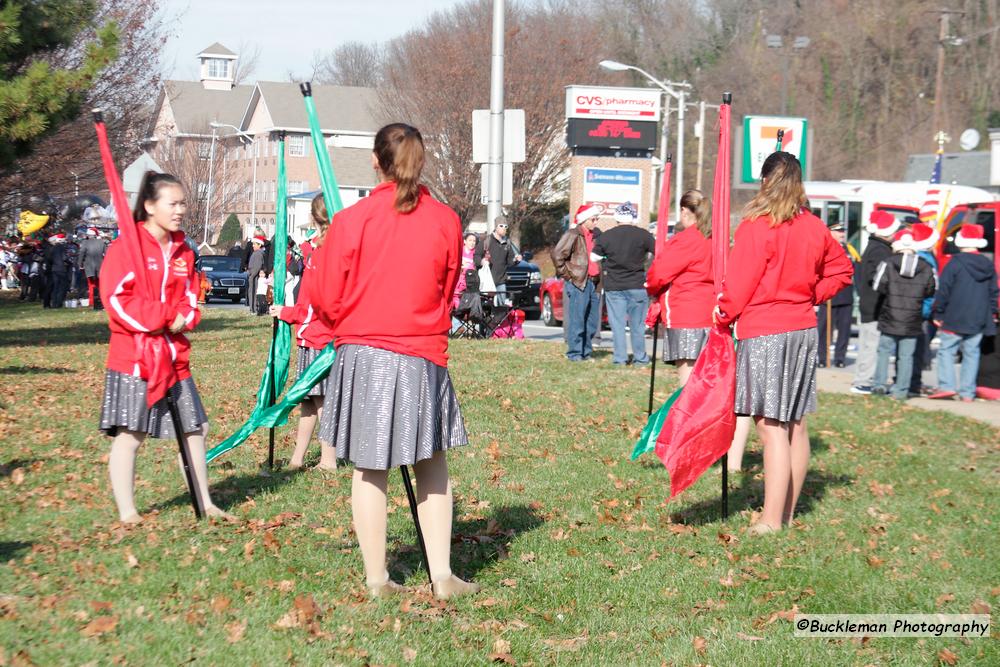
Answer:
(550, 292)
(225, 279)
(523, 282)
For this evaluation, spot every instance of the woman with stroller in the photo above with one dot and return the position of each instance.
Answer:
(388, 273)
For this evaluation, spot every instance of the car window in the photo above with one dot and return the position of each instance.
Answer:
(209, 264)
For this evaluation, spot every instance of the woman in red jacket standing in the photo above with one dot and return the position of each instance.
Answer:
(169, 262)
(312, 335)
(683, 269)
(387, 273)
(783, 263)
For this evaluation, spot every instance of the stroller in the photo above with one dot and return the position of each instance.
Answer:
(476, 315)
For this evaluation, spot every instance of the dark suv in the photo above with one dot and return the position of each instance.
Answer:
(523, 283)
(225, 279)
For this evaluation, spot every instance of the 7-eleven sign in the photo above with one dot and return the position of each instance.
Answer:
(760, 136)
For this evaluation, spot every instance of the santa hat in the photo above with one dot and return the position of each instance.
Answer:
(91, 231)
(903, 240)
(57, 238)
(924, 236)
(970, 236)
(626, 212)
(260, 239)
(882, 223)
(586, 212)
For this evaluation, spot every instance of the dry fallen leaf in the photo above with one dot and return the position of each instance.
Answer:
(271, 542)
(100, 626)
(17, 476)
(875, 561)
(220, 603)
(980, 607)
(944, 597)
(99, 606)
(509, 583)
(486, 602)
(131, 559)
(235, 631)
(946, 657)
(699, 644)
(528, 557)
(248, 549)
(409, 654)
(748, 638)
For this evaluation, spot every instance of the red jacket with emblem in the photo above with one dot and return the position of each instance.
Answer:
(310, 330)
(684, 267)
(130, 313)
(386, 278)
(777, 274)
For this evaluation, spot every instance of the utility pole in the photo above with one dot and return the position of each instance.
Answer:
(944, 17)
(495, 167)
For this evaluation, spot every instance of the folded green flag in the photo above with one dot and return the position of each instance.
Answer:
(647, 441)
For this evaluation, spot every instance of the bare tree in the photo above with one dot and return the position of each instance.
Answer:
(435, 76)
(68, 159)
(350, 64)
(246, 63)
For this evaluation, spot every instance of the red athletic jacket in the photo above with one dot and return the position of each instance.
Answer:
(386, 279)
(310, 330)
(684, 267)
(130, 313)
(777, 274)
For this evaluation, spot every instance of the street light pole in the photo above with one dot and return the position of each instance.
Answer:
(682, 94)
(252, 142)
(208, 195)
(701, 144)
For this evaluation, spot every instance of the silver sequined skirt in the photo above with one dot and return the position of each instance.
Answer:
(124, 407)
(384, 409)
(305, 357)
(683, 343)
(776, 375)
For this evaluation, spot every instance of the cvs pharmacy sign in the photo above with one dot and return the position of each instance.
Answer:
(612, 103)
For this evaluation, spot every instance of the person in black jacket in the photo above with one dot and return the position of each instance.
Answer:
(57, 271)
(964, 310)
(904, 280)
(840, 307)
(881, 226)
(496, 252)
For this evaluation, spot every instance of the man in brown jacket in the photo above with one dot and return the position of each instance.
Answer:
(580, 274)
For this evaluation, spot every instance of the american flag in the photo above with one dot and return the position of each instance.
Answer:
(932, 205)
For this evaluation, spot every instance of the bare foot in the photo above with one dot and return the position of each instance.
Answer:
(131, 520)
(326, 467)
(388, 589)
(453, 587)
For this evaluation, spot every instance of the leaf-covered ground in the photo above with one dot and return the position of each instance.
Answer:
(581, 558)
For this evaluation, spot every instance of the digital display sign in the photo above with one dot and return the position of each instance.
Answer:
(611, 133)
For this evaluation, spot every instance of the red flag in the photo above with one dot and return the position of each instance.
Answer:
(663, 211)
(699, 428)
(151, 350)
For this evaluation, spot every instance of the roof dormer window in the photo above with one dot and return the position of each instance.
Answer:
(218, 68)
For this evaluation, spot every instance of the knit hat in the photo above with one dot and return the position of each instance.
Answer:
(586, 212)
(970, 236)
(626, 212)
(882, 223)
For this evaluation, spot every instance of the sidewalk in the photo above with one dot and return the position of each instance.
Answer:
(839, 380)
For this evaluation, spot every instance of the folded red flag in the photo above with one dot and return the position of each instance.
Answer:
(700, 425)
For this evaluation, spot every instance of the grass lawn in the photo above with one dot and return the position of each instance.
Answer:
(581, 558)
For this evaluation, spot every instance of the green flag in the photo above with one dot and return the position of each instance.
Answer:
(647, 441)
(275, 374)
(327, 179)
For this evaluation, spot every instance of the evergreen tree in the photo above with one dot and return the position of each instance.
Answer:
(230, 233)
(35, 96)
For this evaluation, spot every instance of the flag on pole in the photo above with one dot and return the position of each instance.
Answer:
(699, 428)
(275, 374)
(152, 351)
(663, 210)
(277, 415)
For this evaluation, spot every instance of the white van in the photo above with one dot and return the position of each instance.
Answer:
(852, 202)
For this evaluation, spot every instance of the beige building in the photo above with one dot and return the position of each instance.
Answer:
(214, 131)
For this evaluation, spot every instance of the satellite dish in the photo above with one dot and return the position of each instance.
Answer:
(969, 139)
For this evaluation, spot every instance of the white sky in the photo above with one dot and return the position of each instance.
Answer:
(288, 32)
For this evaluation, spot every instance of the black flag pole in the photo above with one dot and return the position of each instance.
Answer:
(416, 519)
(727, 99)
(271, 397)
(652, 374)
(175, 418)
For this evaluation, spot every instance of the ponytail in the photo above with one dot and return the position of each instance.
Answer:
(320, 219)
(696, 202)
(149, 190)
(399, 149)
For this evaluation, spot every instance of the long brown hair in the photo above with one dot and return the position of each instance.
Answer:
(399, 149)
(149, 190)
(782, 194)
(697, 203)
(320, 219)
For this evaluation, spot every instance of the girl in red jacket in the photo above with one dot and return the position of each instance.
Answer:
(387, 273)
(683, 269)
(312, 335)
(783, 263)
(169, 262)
